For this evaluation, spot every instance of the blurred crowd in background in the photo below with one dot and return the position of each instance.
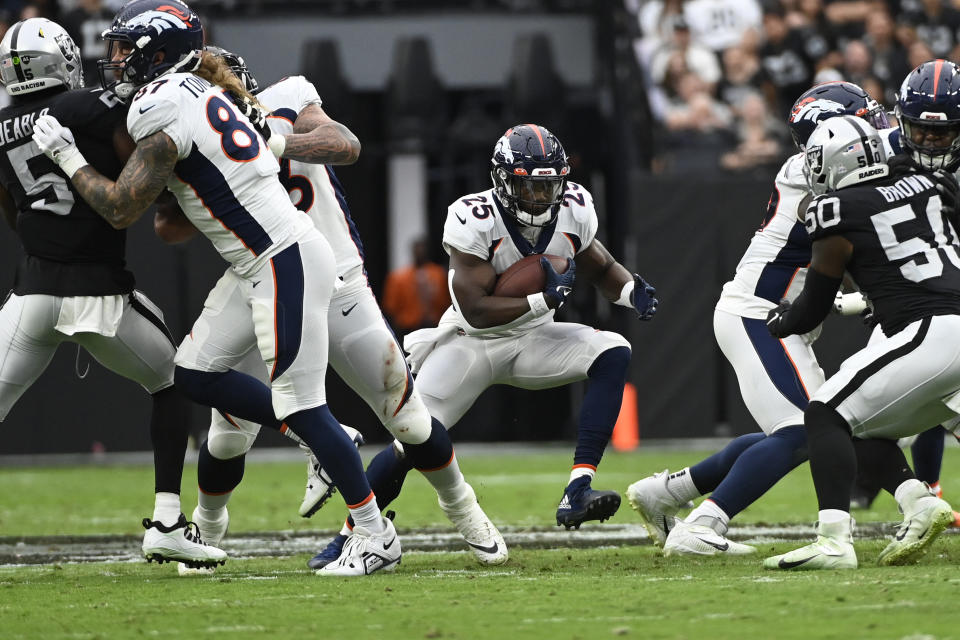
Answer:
(722, 75)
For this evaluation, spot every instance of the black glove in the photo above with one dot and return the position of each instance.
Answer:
(558, 285)
(949, 192)
(775, 319)
(642, 298)
(256, 114)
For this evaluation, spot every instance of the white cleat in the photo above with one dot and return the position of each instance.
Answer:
(656, 505)
(212, 530)
(179, 543)
(832, 550)
(927, 519)
(319, 484)
(365, 552)
(477, 530)
(691, 538)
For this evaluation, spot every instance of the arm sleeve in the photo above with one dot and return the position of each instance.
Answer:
(812, 305)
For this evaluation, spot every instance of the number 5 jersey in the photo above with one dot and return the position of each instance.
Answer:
(69, 249)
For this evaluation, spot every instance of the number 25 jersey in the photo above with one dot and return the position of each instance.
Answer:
(225, 179)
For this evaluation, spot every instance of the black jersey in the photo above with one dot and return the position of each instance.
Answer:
(70, 250)
(906, 255)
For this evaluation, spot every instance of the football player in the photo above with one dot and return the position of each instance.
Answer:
(485, 339)
(776, 377)
(363, 350)
(888, 230)
(193, 139)
(72, 284)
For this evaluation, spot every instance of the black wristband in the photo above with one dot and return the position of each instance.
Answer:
(812, 305)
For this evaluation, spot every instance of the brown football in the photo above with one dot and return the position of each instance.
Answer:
(526, 276)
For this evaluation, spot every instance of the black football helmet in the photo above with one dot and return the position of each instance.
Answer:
(831, 99)
(928, 106)
(148, 27)
(237, 66)
(529, 172)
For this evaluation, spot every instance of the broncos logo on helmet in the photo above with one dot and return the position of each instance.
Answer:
(829, 100)
(813, 109)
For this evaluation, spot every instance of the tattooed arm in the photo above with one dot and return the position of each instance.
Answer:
(144, 176)
(319, 139)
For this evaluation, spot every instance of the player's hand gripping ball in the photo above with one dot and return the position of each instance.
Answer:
(526, 276)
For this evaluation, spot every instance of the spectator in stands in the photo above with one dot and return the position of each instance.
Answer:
(742, 77)
(889, 56)
(719, 24)
(919, 52)
(936, 23)
(697, 58)
(759, 138)
(784, 59)
(416, 296)
(697, 127)
(857, 62)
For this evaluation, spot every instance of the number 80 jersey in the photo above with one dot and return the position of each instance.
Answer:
(225, 178)
(906, 255)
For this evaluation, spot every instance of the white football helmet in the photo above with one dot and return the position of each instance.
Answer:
(843, 151)
(37, 54)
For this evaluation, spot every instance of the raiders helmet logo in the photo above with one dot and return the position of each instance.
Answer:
(815, 159)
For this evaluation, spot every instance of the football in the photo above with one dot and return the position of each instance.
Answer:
(526, 276)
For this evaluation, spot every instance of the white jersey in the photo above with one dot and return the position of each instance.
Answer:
(775, 264)
(313, 188)
(225, 177)
(478, 225)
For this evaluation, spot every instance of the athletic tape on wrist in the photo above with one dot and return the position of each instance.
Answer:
(71, 161)
(277, 143)
(538, 304)
(624, 300)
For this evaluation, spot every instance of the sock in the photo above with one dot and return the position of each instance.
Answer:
(601, 405)
(230, 391)
(166, 508)
(367, 514)
(386, 473)
(760, 467)
(709, 509)
(883, 462)
(582, 470)
(347, 527)
(710, 472)
(169, 433)
(334, 449)
(217, 478)
(937, 489)
(831, 516)
(927, 452)
(680, 485)
(833, 462)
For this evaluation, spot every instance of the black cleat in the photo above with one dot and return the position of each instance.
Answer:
(581, 503)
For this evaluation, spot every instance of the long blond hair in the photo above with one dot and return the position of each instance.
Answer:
(214, 69)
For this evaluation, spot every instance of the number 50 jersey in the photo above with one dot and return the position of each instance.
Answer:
(70, 250)
(906, 255)
(225, 179)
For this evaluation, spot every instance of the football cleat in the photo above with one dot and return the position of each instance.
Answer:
(179, 543)
(473, 524)
(366, 552)
(212, 530)
(319, 484)
(926, 520)
(581, 503)
(833, 549)
(656, 505)
(695, 538)
(330, 553)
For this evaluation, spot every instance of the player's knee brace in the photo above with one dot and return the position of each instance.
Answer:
(226, 445)
(411, 424)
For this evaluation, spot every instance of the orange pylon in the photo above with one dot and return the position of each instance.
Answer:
(626, 433)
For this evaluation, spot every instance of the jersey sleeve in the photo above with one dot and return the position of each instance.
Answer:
(466, 232)
(584, 213)
(831, 215)
(305, 91)
(157, 108)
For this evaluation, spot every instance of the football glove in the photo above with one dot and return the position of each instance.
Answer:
(642, 298)
(558, 285)
(257, 116)
(775, 319)
(57, 143)
(849, 304)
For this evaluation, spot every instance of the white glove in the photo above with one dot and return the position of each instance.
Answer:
(849, 304)
(56, 141)
(258, 118)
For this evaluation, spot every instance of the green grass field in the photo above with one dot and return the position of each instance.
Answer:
(563, 592)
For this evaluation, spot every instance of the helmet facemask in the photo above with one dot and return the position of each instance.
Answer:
(534, 200)
(118, 71)
(943, 153)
